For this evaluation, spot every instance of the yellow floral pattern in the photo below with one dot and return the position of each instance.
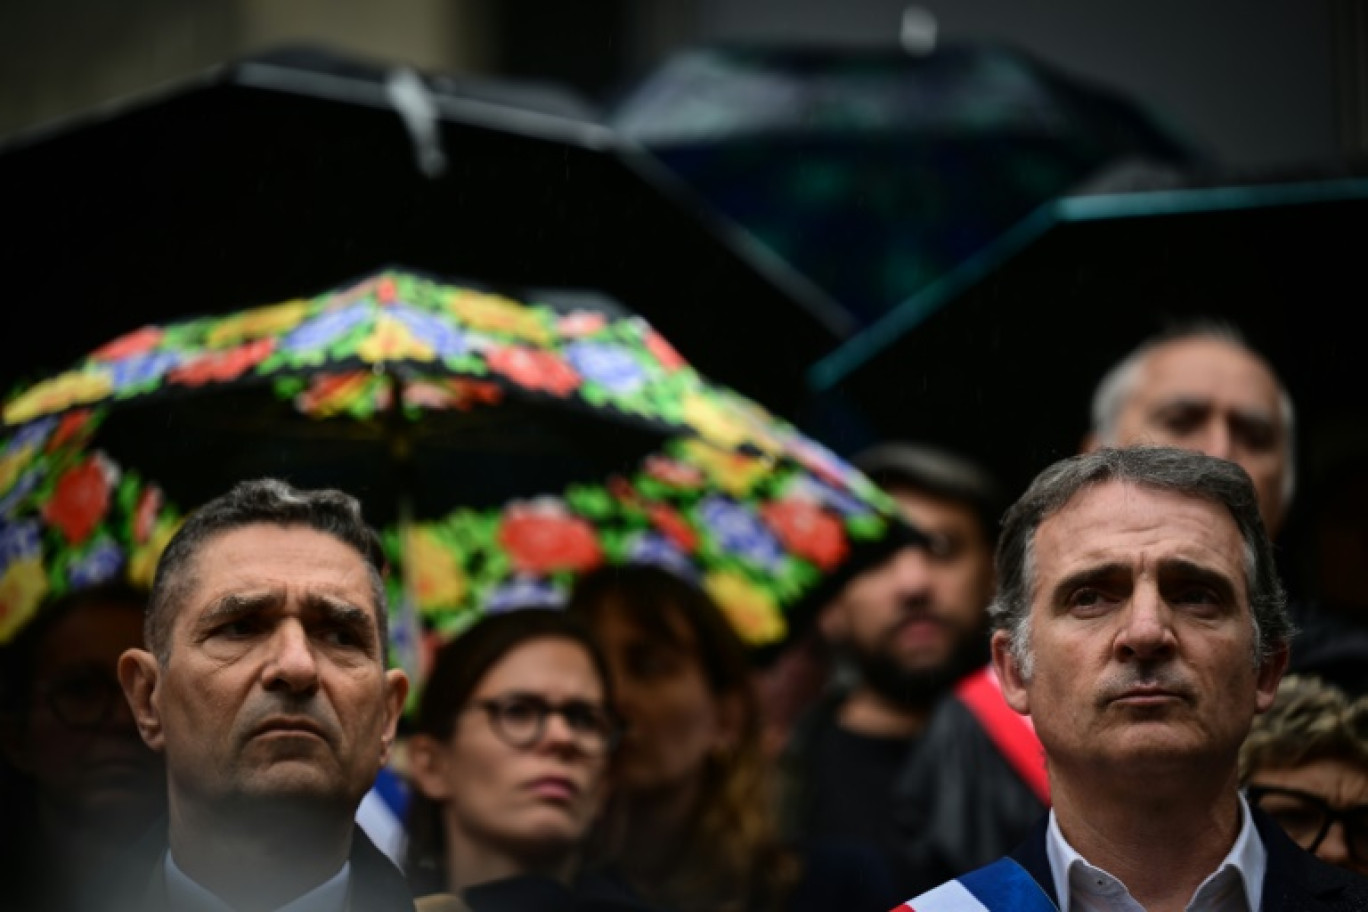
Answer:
(59, 393)
(257, 323)
(21, 589)
(753, 612)
(493, 313)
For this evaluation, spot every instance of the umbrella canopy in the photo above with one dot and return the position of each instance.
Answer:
(275, 176)
(876, 171)
(508, 446)
(1000, 357)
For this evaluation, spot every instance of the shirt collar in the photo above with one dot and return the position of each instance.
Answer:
(1247, 857)
(183, 892)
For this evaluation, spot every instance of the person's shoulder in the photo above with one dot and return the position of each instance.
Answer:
(377, 885)
(1296, 880)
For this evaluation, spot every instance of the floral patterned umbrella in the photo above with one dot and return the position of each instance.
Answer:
(506, 446)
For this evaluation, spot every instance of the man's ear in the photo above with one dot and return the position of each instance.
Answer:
(139, 673)
(1270, 672)
(396, 692)
(1009, 676)
(427, 766)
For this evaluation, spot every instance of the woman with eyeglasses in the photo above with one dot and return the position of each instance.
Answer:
(693, 827)
(510, 760)
(77, 784)
(1305, 764)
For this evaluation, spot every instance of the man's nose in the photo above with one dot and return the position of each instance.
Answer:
(1334, 848)
(1146, 627)
(1216, 439)
(291, 664)
(912, 570)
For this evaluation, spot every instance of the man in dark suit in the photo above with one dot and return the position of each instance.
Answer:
(1140, 622)
(264, 685)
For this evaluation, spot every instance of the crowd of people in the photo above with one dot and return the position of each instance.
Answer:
(1043, 701)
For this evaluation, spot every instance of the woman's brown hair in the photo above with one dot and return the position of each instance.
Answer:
(460, 667)
(732, 857)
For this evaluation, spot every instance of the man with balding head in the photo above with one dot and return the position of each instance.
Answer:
(1201, 387)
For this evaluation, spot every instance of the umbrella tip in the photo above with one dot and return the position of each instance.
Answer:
(919, 31)
(411, 99)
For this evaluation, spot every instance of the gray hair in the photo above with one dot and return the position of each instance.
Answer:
(1117, 386)
(1170, 469)
(264, 500)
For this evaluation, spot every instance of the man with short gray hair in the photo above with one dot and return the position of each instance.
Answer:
(1140, 622)
(1200, 386)
(266, 689)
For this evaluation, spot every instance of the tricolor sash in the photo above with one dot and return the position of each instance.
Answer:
(1003, 886)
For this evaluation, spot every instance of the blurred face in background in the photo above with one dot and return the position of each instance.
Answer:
(1322, 805)
(674, 720)
(918, 621)
(523, 774)
(77, 741)
(1211, 395)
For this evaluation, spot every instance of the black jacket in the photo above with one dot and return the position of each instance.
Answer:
(1295, 880)
(376, 884)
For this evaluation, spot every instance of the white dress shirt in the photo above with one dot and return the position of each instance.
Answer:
(1235, 886)
(184, 893)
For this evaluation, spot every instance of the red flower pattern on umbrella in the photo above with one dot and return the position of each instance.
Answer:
(80, 499)
(535, 370)
(673, 472)
(541, 537)
(71, 425)
(664, 352)
(222, 366)
(134, 343)
(674, 527)
(807, 530)
(145, 514)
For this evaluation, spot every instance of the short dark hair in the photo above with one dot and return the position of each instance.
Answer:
(939, 473)
(263, 500)
(459, 668)
(1185, 472)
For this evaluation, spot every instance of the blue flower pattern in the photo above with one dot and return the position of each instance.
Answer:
(524, 593)
(658, 551)
(608, 365)
(325, 328)
(139, 369)
(446, 340)
(19, 541)
(102, 564)
(740, 531)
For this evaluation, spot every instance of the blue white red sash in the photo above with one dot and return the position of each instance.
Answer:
(1003, 886)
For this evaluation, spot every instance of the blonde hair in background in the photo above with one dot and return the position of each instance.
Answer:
(1309, 721)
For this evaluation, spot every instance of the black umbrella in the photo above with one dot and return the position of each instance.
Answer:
(282, 175)
(1000, 357)
(874, 170)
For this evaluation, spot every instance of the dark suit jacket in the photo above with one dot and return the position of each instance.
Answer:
(1295, 881)
(375, 886)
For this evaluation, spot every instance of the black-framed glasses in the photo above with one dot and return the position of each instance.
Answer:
(520, 720)
(1307, 817)
(82, 698)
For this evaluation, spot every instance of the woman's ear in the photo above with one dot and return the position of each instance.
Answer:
(430, 766)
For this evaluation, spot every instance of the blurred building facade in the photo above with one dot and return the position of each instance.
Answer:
(1259, 84)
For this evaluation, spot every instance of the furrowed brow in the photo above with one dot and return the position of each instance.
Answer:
(1088, 576)
(239, 604)
(1178, 570)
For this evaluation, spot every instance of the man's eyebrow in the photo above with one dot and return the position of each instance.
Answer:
(1088, 576)
(236, 604)
(1179, 569)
